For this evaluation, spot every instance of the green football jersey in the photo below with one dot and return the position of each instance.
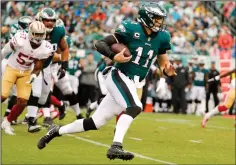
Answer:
(199, 78)
(54, 38)
(73, 65)
(15, 28)
(102, 66)
(144, 48)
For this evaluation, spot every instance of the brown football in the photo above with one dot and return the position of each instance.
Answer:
(117, 48)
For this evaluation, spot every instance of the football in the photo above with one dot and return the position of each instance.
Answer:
(116, 48)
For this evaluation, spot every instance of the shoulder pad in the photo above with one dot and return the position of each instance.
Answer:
(60, 30)
(19, 38)
(47, 50)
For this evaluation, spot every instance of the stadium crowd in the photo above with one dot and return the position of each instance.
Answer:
(194, 30)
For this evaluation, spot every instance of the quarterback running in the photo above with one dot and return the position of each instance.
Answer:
(147, 41)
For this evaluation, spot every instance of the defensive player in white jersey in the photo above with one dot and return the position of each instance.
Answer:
(230, 98)
(30, 51)
(22, 25)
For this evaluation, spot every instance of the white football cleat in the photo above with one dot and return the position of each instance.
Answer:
(6, 126)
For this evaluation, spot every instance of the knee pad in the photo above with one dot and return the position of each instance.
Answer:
(33, 101)
(222, 108)
(133, 111)
(12, 102)
(89, 124)
(71, 98)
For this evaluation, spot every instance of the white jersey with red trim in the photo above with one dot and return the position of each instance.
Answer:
(24, 56)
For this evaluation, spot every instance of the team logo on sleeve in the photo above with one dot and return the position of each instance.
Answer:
(122, 28)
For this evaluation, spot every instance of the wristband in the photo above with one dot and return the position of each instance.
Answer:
(165, 73)
(112, 55)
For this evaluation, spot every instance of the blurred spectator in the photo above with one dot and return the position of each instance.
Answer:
(11, 19)
(225, 40)
(87, 87)
(214, 51)
(212, 31)
(99, 15)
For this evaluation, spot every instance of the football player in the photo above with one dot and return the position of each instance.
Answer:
(22, 25)
(230, 98)
(146, 41)
(56, 36)
(23, 66)
(200, 75)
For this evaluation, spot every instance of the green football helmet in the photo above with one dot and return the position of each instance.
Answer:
(47, 15)
(25, 21)
(149, 12)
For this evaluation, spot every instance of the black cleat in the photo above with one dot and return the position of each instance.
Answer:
(53, 132)
(116, 152)
(47, 122)
(32, 125)
(79, 116)
(62, 111)
(89, 111)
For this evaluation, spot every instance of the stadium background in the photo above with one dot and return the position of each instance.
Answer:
(198, 29)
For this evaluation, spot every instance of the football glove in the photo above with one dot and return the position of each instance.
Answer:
(62, 71)
(216, 78)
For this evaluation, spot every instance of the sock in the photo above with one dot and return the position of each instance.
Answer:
(118, 116)
(122, 127)
(93, 105)
(76, 126)
(15, 112)
(213, 112)
(55, 101)
(7, 112)
(76, 109)
(32, 111)
(46, 112)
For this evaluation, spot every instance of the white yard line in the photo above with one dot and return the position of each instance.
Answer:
(108, 146)
(195, 141)
(183, 121)
(133, 138)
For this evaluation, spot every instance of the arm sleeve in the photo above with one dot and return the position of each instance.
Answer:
(103, 46)
(6, 50)
(121, 35)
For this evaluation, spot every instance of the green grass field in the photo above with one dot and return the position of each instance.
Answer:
(154, 138)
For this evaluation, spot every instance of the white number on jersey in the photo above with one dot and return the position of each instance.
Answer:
(25, 60)
(199, 76)
(139, 51)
